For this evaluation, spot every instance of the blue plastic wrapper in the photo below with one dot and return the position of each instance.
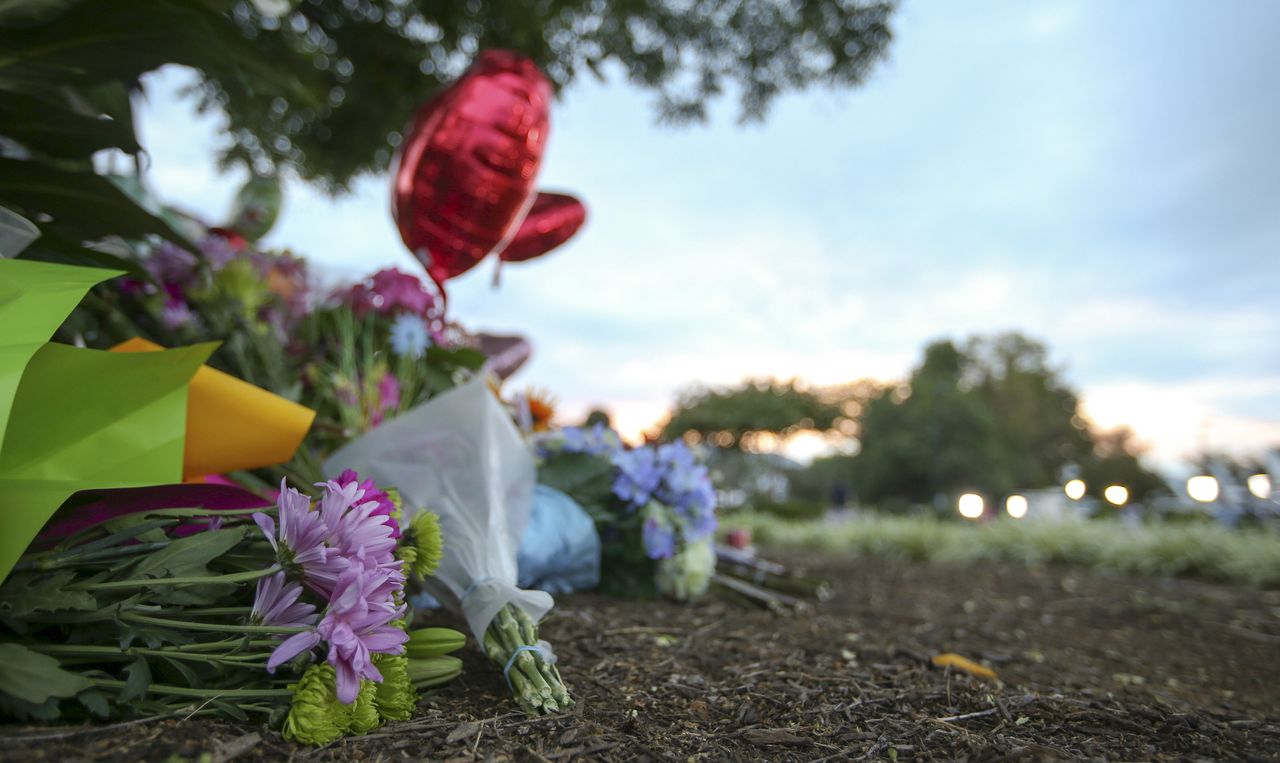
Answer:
(560, 550)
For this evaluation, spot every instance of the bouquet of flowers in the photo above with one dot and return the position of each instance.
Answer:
(130, 605)
(357, 356)
(654, 507)
(460, 456)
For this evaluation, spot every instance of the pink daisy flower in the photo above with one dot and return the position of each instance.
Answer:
(276, 603)
(300, 541)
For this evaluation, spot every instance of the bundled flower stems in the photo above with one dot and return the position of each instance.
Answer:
(756, 582)
(295, 613)
(511, 641)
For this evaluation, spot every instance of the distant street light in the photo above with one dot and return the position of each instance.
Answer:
(971, 506)
(1117, 495)
(1075, 489)
(1016, 506)
(1202, 488)
(1260, 485)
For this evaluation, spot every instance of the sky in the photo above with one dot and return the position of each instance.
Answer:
(1102, 176)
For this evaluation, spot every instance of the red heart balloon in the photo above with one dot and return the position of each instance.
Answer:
(466, 172)
(552, 220)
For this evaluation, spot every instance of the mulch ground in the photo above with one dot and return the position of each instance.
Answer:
(1091, 665)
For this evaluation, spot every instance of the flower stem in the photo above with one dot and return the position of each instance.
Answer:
(183, 691)
(235, 577)
(100, 555)
(247, 660)
(198, 626)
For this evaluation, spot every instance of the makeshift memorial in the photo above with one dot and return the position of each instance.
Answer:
(460, 456)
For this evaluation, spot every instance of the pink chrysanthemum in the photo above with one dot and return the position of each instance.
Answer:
(356, 626)
(276, 603)
(373, 493)
(401, 291)
(300, 542)
(355, 526)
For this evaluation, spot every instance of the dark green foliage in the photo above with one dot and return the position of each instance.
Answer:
(66, 77)
(930, 436)
(1116, 460)
(991, 417)
(371, 64)
(723, 416)
(795, 508)
(817, 483)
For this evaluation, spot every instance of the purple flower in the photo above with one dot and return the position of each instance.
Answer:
(639, 475)
(355, 526)
(176, 313)
(401, 291)
(659, 540)
(218, 250)
(276, 603)
(357, 625)
(171, 264)
(300, 542)
(388, 398)
(372, 493)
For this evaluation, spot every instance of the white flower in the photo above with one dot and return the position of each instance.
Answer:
(687, 575)
(409, 336)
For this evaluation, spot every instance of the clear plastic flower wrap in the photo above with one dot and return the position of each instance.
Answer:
(460, 456)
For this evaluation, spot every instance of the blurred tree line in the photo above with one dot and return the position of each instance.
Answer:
(988, 415)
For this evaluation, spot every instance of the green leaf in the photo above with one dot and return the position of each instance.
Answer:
(230, 709)
(34, 677)
(12, 707)
(51, 247)
(51, 128)
(109, 40)
(189, 677)
(188, 556)
(22, 12)
(95, 702)
(82, 206)
(139, 680)
(20, 596)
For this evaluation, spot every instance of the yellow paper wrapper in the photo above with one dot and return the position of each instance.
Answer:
(233, 425)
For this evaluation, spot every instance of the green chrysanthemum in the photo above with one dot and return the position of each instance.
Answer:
(421, 546)
(396, 696)
(364, 711)
(317, 717)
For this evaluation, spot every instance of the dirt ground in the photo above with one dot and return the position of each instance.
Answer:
(1090, 664)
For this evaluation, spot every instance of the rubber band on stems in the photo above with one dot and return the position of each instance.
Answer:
(511, 661)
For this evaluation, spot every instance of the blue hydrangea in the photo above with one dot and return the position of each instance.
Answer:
(599, 440)
(659, 538)
(639, 475)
